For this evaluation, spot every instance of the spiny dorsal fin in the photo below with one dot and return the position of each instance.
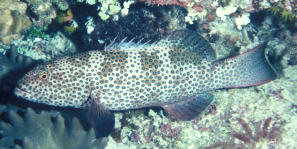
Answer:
(123, 45)
(183, 40)
(189, 41)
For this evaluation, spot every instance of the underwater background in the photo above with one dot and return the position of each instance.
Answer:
(262, 117)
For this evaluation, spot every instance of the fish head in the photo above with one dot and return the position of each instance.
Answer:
(45, 84)
(33, 85)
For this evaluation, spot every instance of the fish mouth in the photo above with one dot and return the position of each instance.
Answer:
(22, 93)
(18, 91)
(18, 88)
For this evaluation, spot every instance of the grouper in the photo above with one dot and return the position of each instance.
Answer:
(176, 73)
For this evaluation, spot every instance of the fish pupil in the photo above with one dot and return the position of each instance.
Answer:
(43, 76)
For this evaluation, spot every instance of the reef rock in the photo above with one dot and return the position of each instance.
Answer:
(13, 20)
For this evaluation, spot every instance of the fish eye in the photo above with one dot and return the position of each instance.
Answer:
(44, 76)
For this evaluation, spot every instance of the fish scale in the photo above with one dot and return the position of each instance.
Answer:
(176, 73)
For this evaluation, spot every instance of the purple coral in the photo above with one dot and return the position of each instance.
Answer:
(167, 130)
(149, 136)
(248, 138)
(256, 4)
(172, 2)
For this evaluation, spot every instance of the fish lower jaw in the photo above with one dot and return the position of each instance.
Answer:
(23, 94)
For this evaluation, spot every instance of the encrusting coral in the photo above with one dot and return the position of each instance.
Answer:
(46, 47)
(45, 10)
(34, 131)
(13, 20)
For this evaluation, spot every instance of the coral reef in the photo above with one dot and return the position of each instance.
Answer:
(154, 130)
(196, 9)
(34, 32)
(67, 18)
(249, 138)
(143, 22)
(111, 8)
(258, 117)
(13, 20)
(45, 11)
(41, 130)
(45, 48)
(64, 17)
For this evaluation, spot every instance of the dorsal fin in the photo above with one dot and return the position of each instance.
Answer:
(190, 41)
(123, 45)
(184, 40)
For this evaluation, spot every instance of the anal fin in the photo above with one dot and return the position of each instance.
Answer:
(100, 118)
(191, 107)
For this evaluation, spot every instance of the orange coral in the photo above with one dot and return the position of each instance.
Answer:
(62, 17)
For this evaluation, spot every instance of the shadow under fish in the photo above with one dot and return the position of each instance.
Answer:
(176, 73)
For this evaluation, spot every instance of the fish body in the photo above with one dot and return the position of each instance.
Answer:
(175, 73)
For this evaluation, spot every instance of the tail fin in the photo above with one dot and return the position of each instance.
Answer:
(248, 69)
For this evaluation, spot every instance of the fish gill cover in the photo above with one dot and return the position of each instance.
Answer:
(232, 27)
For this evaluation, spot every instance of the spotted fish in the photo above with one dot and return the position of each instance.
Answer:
(176, 73)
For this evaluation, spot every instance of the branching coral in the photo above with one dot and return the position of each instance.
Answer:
(249, 138)
(275, 10)
(34, 131)
(286, 15)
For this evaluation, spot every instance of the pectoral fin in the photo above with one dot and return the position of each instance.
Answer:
(100, 118)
